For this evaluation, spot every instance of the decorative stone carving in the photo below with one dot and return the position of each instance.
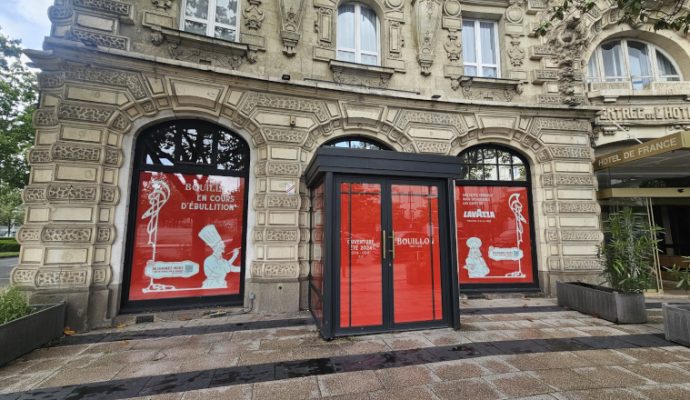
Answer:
(515, 53)
(276, 201)
(282, 235)
(571, 152)
(47, 278)
(477, 88)
(570, 263)
(104, 234)
(107, 6)
(453, 46)
(428, 146)
(50, 80)
(287, 135)
(45, 117)
(39, 155)
(323, 26)
(70, 152)
(66, 234)
(345, 73)
(283, 168)
(129, 80)
(59, 12)
(253, 15)
(567, 180)
(23, 276)
(554, 207)
(27, 234)
(431, 118)
(162, 4)
(82, 112)
(71, 192)
(254, 99)
(291, 24)
(427, 14)
(101, 276)
(282, 270)
(91, 38)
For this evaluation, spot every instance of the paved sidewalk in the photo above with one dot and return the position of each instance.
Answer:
(507, 348)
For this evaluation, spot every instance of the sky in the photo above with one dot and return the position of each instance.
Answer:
(26, 20)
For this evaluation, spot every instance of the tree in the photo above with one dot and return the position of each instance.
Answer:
(18, 95)
(661, 14)
(11, 209)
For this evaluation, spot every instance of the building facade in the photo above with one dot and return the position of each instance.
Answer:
(173, 138)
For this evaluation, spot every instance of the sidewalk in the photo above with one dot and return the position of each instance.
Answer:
(507, 348)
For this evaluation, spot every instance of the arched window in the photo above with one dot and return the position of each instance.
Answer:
(631, 61)
(355, 142)
(187, 216)
(358, 34)
(488, 163)
(214, 18)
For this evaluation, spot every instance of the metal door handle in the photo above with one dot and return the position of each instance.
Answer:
(383, 244)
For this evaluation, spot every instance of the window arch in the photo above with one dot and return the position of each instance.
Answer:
(634, 61)
(493, 163)
(358, 35)
(356, 142)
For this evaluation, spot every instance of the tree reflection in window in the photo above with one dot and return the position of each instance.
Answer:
(194, 143)
(355, 143)
(492, 164)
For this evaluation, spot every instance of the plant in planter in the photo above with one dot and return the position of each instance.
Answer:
(627, 253)
(24, 327)
(677, 316)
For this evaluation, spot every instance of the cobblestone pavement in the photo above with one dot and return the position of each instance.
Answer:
(506, 348)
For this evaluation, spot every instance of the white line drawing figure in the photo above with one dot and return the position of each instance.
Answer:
(159, 195)
(215, 266)
(474, 263)
(512, 253)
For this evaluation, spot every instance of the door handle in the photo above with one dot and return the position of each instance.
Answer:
(392, 245)
(383, 244)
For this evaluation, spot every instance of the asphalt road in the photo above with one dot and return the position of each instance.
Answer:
(6, 265)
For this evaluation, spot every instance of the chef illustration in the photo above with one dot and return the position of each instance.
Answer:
(215, 266)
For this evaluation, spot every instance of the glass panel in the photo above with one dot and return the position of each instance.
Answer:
(346, 56)
(665, 65)
(504, 157)
(317, 216)
(231, 153)
(469, 53)
(416, 260)
(195, 27)
(181, 247)
(517, 160)
(488, 42)
(490, 72)
(195, 148)
(346, 26)
(226, 12)
(592, 69)
(361, 296)
(489, 156)
(224, 33)
(490, 173)
(196, 9)
(369, 59)
(476, 173)
(470, 71)
(520, 173)
(493, 233)
(638, 62)
(611, 56)
(504, 173)
(367, 27)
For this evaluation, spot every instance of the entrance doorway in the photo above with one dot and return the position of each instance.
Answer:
(390, 253)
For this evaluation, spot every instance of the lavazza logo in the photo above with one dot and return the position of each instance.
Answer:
(479, 213)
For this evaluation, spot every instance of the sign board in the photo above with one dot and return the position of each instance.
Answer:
(650, 148)
(188, 236)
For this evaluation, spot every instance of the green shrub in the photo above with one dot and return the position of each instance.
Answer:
(9, 245)
(13, 305)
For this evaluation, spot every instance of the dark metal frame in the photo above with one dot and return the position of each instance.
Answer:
(140, 166)
(506, 287)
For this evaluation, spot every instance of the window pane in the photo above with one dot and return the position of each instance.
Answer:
(346, 26)
(224, 33)
(489, 72)
(592, 70)
(488, 42)
(197, 9)
(519, 173)
(226, 12)
(503, 157)
(489, 156)
(346, 56)
(470, 71)
(611, 56)
(195, 27)
(476, 173)
(368, 30)
(504, 173)
(665, 65)
(371, 60)
(469, 53)
(490, 173)
(638, 61)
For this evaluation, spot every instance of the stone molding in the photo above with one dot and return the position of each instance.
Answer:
(346, 73)
(291, 15)
(427, 17)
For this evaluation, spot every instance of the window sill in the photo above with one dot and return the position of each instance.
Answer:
(347, 73)
(482, 88)
(186, 46)
(609, 92)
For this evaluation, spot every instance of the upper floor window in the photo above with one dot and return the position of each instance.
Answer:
(492, 163)
(480, 48)
(631, 61)
(215, 18)
(355, 142)
(358, 34)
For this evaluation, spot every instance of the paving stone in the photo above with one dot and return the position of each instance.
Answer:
(405, 343)
(665, 392)
(287, 389)
(108, 347)
(562, 322)
(496, 365)
(350, 396)
(131, 357)
(488, 326)
(652, 355)
(363, 347)
(236, 392)
(22, 383)
(475, 389)
(600, 394)
(406, 393)
(532, 362)
(660, 373)
(212, 361)
(349, 382)
(565, 332)
(564, 379)
(612, 376)
(405, 376)
(74, 376)
(518, 384)
(486, 336)
(600, 331)
(148, 369)
(605, 357)
(454, 370)
(445, 337)
(184, 352)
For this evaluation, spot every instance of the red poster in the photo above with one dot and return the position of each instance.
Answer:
(494, 244)
(188, 236)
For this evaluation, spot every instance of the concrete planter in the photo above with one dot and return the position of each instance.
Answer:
(602, 302)
(25, 334)
(677, 323)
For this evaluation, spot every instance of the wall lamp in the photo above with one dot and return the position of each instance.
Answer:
(435, 96)
(285, 77)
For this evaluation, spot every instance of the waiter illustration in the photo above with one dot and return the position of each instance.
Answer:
(215, 266)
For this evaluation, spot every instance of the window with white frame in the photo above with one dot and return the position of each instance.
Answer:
(214, 18)
(480, 48)
(358, 34)
(631, 61)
